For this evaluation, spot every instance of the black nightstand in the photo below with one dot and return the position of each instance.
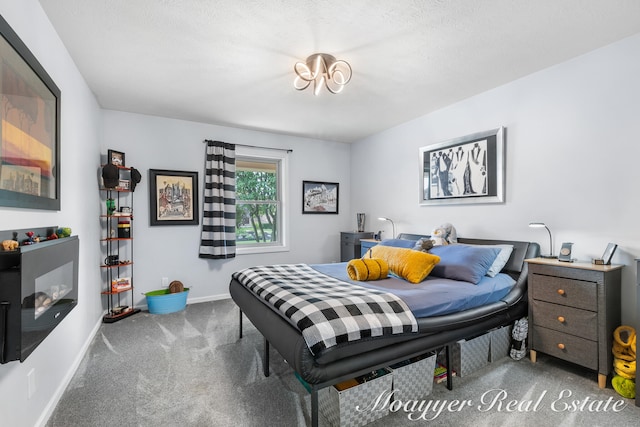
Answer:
(350, 244)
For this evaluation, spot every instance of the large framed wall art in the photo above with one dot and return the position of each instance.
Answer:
(173, 197)
(30, 128)
(465, 170)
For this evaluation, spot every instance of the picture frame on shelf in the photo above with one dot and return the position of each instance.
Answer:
(30, 148)
(173, 197)
(116, 158)
(320, 197)
(123, 184)
(464, 170)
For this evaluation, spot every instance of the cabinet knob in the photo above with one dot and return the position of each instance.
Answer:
(560, 291)
(561, 346)
(561, 319)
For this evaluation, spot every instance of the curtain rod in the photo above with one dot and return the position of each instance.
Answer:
(288, 150)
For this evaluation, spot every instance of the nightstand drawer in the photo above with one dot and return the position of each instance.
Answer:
(349, 239)
(571, 292)
(561, 318)
(574, 349)
(354, 237)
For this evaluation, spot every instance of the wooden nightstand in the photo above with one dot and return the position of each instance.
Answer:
(573, 310)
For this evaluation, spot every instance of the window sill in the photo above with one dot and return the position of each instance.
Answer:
(260, 249)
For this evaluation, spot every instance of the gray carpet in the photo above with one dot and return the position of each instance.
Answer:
(190, 369)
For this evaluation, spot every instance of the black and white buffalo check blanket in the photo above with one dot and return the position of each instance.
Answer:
(326, 310)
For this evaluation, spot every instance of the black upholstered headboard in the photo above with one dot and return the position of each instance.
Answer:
(521, 250)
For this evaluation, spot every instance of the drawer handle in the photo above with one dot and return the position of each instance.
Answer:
(561, 346)
(561, 319)
(560, 291)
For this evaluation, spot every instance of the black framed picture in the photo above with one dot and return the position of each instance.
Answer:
(30, 117)
(115, 157)
(320, 197)
(173, 197)
(464, 170)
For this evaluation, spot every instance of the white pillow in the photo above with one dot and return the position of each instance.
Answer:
(501, 259)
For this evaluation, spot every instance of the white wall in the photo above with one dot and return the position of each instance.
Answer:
(54, 360)
(172, 251)
(572, 161)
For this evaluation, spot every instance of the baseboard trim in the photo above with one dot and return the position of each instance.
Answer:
(53, 402)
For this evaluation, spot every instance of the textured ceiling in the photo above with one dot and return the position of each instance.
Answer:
(230, 62)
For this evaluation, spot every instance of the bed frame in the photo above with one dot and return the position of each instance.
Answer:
(350, 360)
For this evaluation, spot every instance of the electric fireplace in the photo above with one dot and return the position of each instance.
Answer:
(38, 288)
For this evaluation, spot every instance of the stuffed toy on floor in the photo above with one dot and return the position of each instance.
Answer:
(624, 361)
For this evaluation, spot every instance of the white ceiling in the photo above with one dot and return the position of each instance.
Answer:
(230, 62)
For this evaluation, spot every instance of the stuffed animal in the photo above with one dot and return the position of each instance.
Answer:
(451, 236)
(438, 237)
(445, 234)
(31, 238)
(423, 245)
(9, 245)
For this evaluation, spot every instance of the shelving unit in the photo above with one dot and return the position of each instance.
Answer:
(117, 266)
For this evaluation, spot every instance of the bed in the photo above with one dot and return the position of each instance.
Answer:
(340, 360)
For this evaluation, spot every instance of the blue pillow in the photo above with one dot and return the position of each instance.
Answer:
(398, 243)
(462, 262)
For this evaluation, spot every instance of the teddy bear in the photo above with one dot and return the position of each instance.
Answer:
(423, 245)
(9, 245)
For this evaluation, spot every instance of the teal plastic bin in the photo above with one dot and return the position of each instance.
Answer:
(163, 302)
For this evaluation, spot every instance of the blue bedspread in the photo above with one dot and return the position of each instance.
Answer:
(434, 296)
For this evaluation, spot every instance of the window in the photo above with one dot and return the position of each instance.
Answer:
(260, 201)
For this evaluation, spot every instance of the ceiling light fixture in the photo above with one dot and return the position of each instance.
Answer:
(322, 68)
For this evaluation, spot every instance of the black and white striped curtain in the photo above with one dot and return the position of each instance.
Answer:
(218, 238)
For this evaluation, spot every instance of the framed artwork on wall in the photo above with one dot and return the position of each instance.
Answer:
(115, 157)
(320, 197)
(465, 170)
(30, 122)
(173, 197)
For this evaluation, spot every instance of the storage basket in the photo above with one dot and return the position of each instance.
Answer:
(413, 379)
(470, 355)
(500, 343)
(163, 302)
(354, 406)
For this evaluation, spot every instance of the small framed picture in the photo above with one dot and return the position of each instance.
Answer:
(123, 184)
(173, 197)
(320, 197)
(115, 157)
(608, 253)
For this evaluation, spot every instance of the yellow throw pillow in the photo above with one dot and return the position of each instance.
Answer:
(367, 269)
(411, 265)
